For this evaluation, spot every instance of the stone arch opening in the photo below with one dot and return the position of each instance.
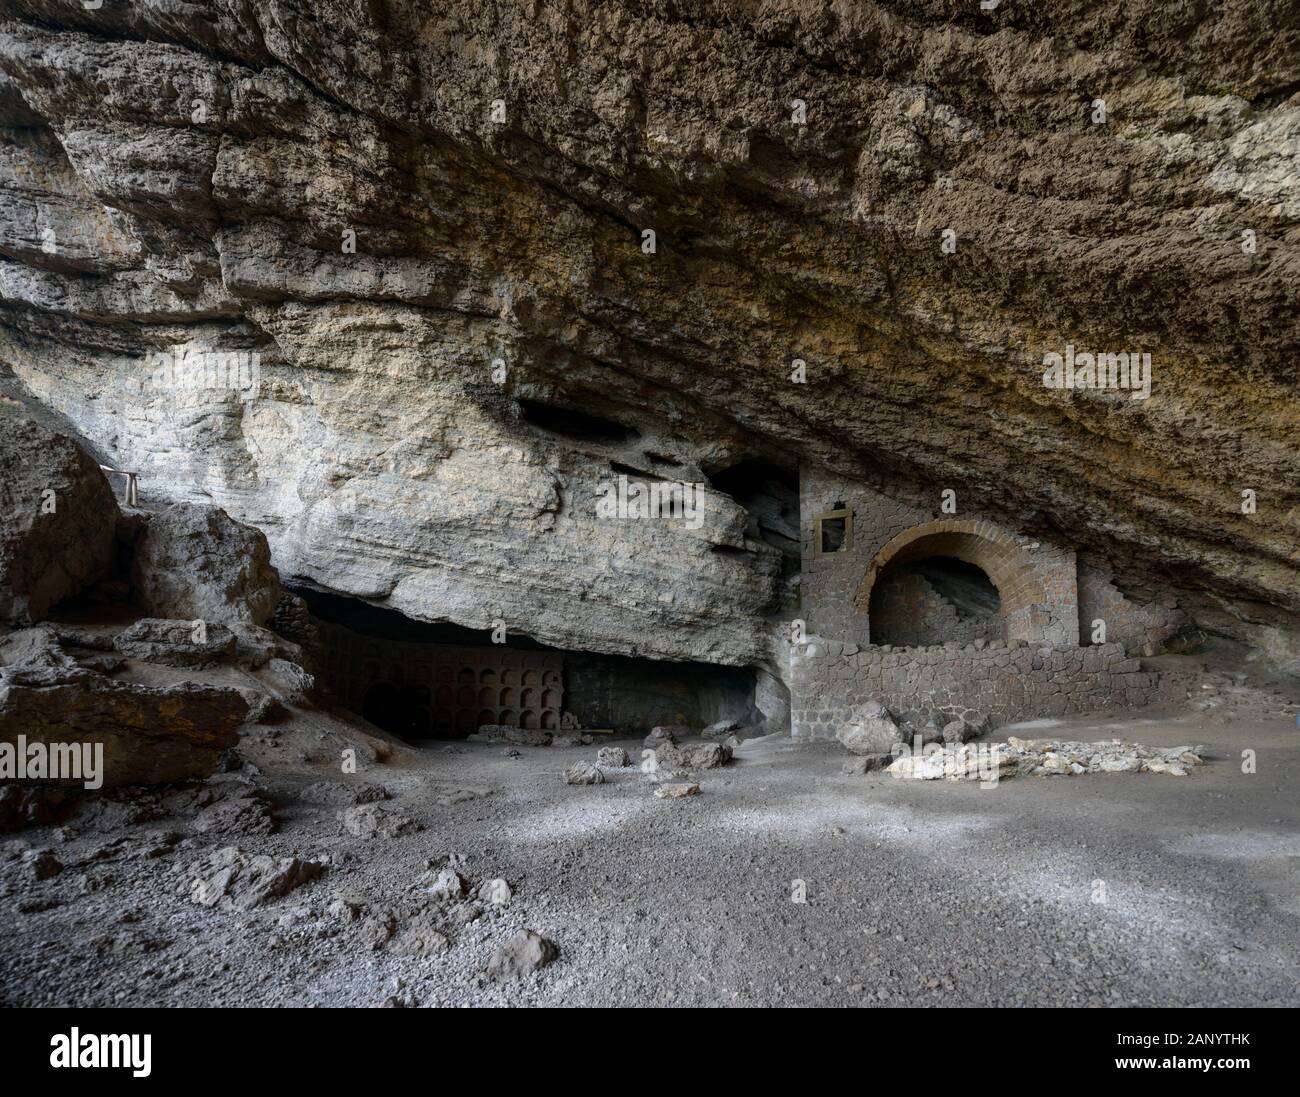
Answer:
(933, 600)
(975, 544)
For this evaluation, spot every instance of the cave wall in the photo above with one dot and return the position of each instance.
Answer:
(419, 215)
(634, 695)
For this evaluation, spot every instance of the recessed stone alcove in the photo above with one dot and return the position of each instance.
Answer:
(437, 680)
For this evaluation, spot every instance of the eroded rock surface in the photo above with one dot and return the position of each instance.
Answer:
(57, 517)
(149, 734)
(197, 563)
(233, 880)
(176, 643)
(333, 192)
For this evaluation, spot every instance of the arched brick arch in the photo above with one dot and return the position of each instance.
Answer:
(977, 542)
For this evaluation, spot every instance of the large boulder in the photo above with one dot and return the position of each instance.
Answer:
(703, 755)
(176, 643)
(870, 730)
(583, 773)
(197, 563)
(57, 520)
(150, 735)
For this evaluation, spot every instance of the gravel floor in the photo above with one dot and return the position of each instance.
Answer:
(1095, 890)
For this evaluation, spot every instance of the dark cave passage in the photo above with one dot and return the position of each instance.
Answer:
(423, 680)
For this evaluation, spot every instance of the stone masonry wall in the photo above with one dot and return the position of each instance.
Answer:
(830, 582)
(1036, 580)
(1006, 683)
(1142, 629)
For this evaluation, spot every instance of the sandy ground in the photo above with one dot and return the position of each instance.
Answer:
(1093, 890)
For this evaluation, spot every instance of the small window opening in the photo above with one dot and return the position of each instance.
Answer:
(834, 532)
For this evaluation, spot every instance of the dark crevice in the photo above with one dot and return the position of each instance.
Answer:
(661, 459)
(628, 470)
(575, 424)
(769, 491)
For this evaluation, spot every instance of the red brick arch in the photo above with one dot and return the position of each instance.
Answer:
(993, 550)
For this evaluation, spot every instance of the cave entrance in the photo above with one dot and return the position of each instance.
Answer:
(934, 600)
(422, 680)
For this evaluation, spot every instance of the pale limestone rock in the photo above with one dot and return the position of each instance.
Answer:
(676, 790)
(870, 730)
(231, 879)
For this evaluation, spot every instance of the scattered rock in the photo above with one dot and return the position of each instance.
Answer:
(343, 793)
(447, 885)
(265, 709)
(1044, 758)
(612, 758)
(1052, 757)
(697, 755)
(665, 734)
(292, 681)
(864, 763)
(676, 790)
(968, 762)
(525, 953)
(958, 731)
(41, 864)
(345, 908)
(496, 892)
(583, 773)
(870, 730)
(244, 815)
(931, 731)
(721, 729)
(419, 936)
(234, 880)
(374, 821)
